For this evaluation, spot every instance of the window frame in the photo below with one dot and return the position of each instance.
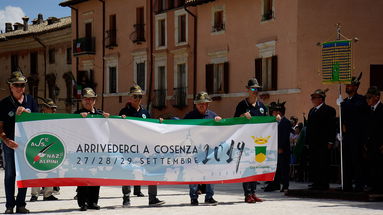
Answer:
(140, 58)
(159, 18)
(221, 29)
(177, 15)
(111, 62)
(270, 14)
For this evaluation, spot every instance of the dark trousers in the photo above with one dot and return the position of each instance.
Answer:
(375, 170)
(352, 162)
(87, 195)
(249, 187)
(152, 191)
(283, 170)
(10, 179)
(320, 166)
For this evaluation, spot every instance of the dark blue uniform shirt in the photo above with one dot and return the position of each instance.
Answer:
(258, 110)
(8, 108)
(132, 112)
(194, 114)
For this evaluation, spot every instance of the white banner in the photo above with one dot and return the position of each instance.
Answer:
(67, 150)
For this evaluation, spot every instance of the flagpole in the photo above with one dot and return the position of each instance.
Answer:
(338, 34)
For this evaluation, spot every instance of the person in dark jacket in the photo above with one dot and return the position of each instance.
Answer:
(87, 196)
(283, 166)
(134, 109)
(201, 111)
(375, 139)
(320, 134)
(14, 104)
(354, 115)
(248, 108)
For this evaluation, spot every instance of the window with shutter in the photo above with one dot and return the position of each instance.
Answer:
(217, 78)
(376, 76)
(209, 78)
(141, 76)
(266, 72)
(226, 77)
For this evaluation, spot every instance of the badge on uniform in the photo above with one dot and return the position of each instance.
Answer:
(261, 110)
(11, 113)
(143, 116)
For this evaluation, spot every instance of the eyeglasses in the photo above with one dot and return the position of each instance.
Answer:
(18, 85)
(137, 96)
(369, 97)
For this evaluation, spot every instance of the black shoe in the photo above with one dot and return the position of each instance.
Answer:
(33, 199)
(194, 202)
(272, 187)
(94, 206)
(139, 194)
(156, 202)
(22, 210)
(83, 208)
(211, 201)
(125, 201)
(9, 211)
(50, 198)
(284, 189)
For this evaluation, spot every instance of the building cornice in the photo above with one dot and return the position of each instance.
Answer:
(71, 2)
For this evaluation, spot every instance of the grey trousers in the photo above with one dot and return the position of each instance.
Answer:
(152, 191)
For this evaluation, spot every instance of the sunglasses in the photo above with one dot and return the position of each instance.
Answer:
(137, 96)
(254, 89)
(369, 97)
(18, 85)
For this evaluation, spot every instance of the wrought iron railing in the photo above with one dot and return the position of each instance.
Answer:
(159, 98)
(85, 45)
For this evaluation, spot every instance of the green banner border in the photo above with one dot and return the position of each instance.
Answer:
(27, 117)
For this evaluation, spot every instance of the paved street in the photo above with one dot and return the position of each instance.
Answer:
(177, 202)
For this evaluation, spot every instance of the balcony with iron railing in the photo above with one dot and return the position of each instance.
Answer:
(218, 27)
(139, 33)
(267, 15)
(159, 98)
(84, 46)
(180, 97)
(111, 39)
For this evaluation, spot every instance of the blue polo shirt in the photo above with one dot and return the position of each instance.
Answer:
(258, 110)
(8, 108)
(195, 114)
(132, 112)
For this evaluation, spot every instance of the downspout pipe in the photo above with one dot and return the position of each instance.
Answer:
(103, 54)
(77, 36)
(45, 63)
(194, 51)
(150, 53)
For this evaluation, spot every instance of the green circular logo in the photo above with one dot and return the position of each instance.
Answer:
(44, 152)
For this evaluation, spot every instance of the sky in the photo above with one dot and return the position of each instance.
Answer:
(13, 10)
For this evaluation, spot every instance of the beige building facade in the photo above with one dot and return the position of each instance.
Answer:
(216, 46)
(42, 50)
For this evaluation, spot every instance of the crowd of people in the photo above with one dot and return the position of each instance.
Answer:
(362, 144)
